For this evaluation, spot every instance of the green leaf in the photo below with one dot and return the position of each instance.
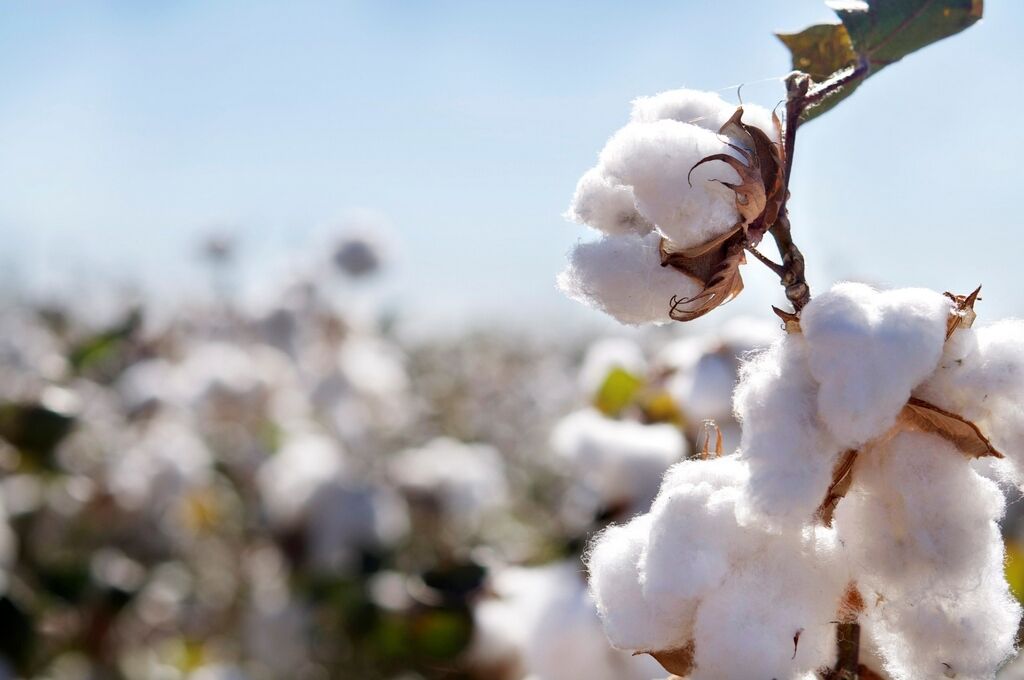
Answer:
(617, 391)
(886, 31)
(875, 33)
(820, 51)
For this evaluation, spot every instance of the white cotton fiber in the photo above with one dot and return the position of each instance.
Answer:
(606, 205)
(981, 377)
(705, 390)
(623, 277)
(750, 623)
(629, 620)
(963, 629)
(656, 159)
(705, 109)
(868, 350)
(621, 461)
(917, 511)
(466, 479)
(695, 539)
(789, 452)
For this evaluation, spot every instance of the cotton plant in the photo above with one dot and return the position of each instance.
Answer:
(852, 532)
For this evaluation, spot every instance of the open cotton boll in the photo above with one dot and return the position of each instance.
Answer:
(606, 205)
(751, 622)
(694, 539)
(705, 391)
(166, 461)
(629, 620)
(705, 109)
(656, 159)
(607, 355)
(900, 525)
(623, 277)
(621, 461)
(868, 349)
(789, 453)
(962, 629)
(465, 478)
(981, 377)
(565, 640)
(289, 480)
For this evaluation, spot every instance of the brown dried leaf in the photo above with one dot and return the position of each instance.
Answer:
(963, 315)
(723, 284)
(676, 661)
(790, 321)
(842, 477)
(922, 416)
(705, 453)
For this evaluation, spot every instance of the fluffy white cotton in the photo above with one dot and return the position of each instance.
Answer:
(290, 479)
(465, 478)
(623, 277)
(789, 452)
(704, 391)
(656, 159)
(565, 641)
(630, 621)
(606, 205)
(309, 485)
(868, 349)
(955, 629)
(694, 541)
(751, 621)
(607, 355)
(705, 109)
(620, 461)
(917, 512)
(540, 623)
(981, 377)
(163, 464)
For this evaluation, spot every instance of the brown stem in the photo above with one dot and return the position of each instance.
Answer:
(800, 95)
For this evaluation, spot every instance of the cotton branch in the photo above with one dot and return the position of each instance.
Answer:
(801, 94)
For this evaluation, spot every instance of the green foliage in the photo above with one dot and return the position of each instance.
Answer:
(873, 35)
(618, 391)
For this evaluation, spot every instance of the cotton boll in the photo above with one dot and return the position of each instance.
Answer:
(289, 480)
(900, 526)
(621, 461)
(752, 621)
(541, 623)
(656, 159)
(868, 350)
(161, 466)
(606, 205)
(623, 277)
(629, 620)
(705, 391)
(466, 479)
(705, 109)
(961, 629)
(694, 540)
(310, 485)
(981, 377)
(565, 640)
(790, 454)
(607, 355)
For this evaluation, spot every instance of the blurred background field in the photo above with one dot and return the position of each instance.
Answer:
(286, 389)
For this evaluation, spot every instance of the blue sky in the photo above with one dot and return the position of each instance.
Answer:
(129, 129)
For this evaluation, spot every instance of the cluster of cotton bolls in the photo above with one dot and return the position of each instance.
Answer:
(647, 194)
(746, 563)
(540, 621)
